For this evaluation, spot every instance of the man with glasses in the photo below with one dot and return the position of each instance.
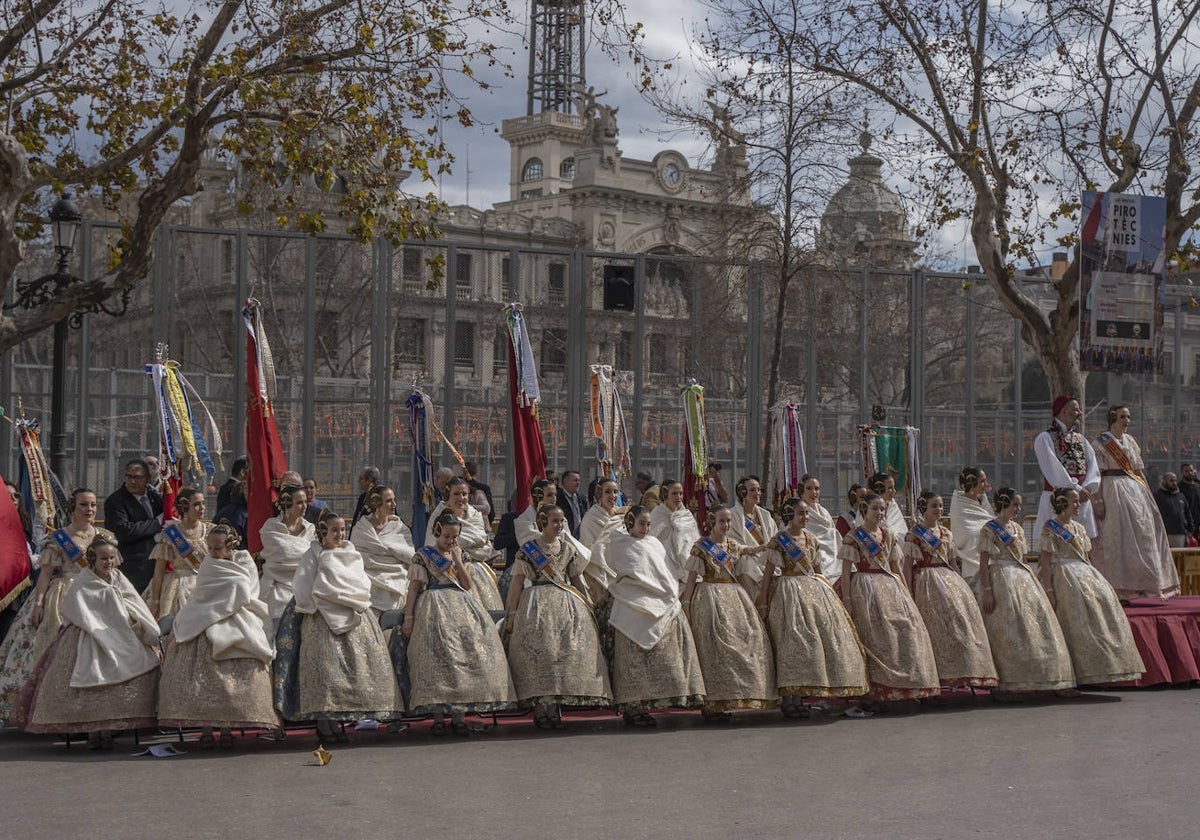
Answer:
(133, 513)
(154, 480)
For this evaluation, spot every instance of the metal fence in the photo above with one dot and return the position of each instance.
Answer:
(353, 327)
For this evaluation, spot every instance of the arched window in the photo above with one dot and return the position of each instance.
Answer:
(566, 169)
(532, 170)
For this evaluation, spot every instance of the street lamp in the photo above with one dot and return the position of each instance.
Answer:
(65, 221)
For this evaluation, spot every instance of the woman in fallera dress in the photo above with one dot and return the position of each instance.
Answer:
(821, 525)
(386, 546)
(36, 625)
(969, 512)
(474, 541)
(169, 590)
(672, 524)
(601, 521)
(285, 540)
(101, 672)
(554, 644)
(217, 669)
(752, 526)
(945, 601)
(736, 659)
(1132, 551)
(344, 671)
(899, 653)
(884, 486)
(456, 660)
(1095, 627)
(817, 651)
(654, 658)
(1027, 642)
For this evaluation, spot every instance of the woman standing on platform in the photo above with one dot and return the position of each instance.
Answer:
(817, 651)
(969, 512)
(752, 526)
(735, 654)
(1096, 629)
(474, 541)
(821, 525)
(169, 590)
(285, 540)
(101, 672)
(386, 546)
(344, 671)
(672, 524)
(654, 657)
(456, 661)
(554, 644)
(217, 669)
(63, 557)
(884, 486)
(899, 653)
(601, 521)
(1027, 643)
(946, 602)
(1132, 551)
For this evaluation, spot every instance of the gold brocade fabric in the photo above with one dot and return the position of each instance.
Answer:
(817, 651)
(197, 690)
(734, 652)
(483, 586)
(350, 672)
(555, 651)
(54, 706)
(1095, 627)
(951, 615)
(666, 675)
(1027, 643)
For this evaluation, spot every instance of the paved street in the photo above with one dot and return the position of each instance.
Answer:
(1105, 765)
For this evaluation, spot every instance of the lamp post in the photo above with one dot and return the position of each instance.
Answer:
(65, 221)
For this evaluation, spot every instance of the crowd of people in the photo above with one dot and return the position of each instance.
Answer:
(583, 598)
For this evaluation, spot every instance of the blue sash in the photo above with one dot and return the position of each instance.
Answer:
(441, 562)
(719, 555)
(68, 546)
(867, 542)
(536, 556)
(180, 543)
(794, 552)
(1061, 531)
(1002, 533)
(927, 536)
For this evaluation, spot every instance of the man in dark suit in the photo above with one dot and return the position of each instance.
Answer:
(132, 514)
(572, 502)
(236, 476)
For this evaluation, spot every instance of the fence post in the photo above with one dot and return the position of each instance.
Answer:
(971, 444)
(754, 395)
(1018, 404)
(381, 351)
(916, 317)
(639, 358)
(812, 391)
(238, 433)
(308, 406)
(577, 372)
(864, 406)
(82, 409)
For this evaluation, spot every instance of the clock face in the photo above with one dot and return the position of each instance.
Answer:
(672, 175)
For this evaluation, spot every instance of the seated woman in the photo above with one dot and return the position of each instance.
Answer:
(344, 670)
(101, 673)
(285, 540)
(217, 669)
(731, 641)
(553, 646)
(899, 653)
(1027, 643)
(672, 524)
(817, 651)
(946, 602)
(456, 660)
(36, 625)
(387, 550)
(1093, 623)
(474, 541)
(169, 590)
(654, 658)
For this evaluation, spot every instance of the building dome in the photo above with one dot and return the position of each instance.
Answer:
(865, 222)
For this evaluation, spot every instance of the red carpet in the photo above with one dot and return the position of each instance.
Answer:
(1168, 638)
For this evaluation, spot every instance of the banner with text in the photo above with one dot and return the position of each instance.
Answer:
(1121, 283)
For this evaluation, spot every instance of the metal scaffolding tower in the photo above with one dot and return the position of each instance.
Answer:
(555, 55)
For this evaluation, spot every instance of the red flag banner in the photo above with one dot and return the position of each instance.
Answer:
(267, 462)
(529, 450)
(14, 553)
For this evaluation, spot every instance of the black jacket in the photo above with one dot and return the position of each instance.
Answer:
(134, 529)
(1174, 509)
